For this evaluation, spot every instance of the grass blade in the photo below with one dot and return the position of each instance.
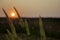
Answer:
(22, 23)
(27, 28)
(19, 18)
(42, 32)
(13, 35)
(10, 23)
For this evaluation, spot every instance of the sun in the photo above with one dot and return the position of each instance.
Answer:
(13, 14)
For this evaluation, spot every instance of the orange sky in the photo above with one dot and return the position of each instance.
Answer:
(32, 8)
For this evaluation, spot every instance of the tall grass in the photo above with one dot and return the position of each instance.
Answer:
(22, 23)
(12, 35)
(27, 27)
(19, 18)
(42, 31)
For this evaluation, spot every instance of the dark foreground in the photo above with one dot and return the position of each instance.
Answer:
(51, 26)
(25, 37)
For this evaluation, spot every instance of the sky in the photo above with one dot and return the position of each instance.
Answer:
(32, 8)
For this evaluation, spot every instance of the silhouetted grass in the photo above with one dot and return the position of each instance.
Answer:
(13, 34)
(42, 31)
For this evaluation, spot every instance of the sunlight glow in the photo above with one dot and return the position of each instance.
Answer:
(12, 14)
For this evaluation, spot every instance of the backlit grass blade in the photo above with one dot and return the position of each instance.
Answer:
(10, 23)
(19, 18)
(27, 28)
(23, 24)
(42, 31)
(13, 35)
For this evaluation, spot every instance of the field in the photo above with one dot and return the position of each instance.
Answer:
(51, 27)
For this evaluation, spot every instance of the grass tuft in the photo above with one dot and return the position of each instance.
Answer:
(42, 31)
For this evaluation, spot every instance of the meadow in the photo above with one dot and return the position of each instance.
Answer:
(25, 29)
(51, 26)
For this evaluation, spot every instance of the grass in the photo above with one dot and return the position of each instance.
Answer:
(22, 23)
(13, 35)
(42, 31)
(27, 27)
